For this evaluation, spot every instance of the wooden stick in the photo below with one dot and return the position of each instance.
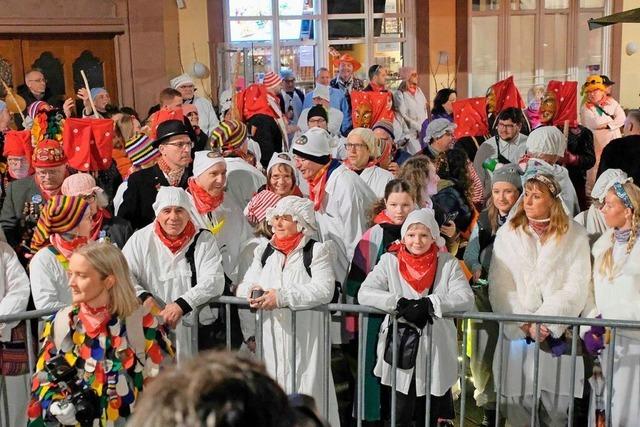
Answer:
(10, 93)
(86, 86)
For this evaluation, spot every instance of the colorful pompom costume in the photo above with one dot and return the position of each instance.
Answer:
(115, 360)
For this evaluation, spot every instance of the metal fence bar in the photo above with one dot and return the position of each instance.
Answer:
(259, 349)
(30, 350)
(4, 390)
(611, 352)
(327, 355)
(536, 371)
(394, 365)
(463, 375)
(227, 330)
(572, 386)
(292, 352)
(360, 372)
(427, 379)
(499, 379)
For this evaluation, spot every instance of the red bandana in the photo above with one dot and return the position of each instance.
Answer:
(317, 185)
(175, 243)
(173, 175)
(66, 247)
(418, 270)
(539, 227)
(96, 223)
(286, 244)
(94, 319)
(382, 218)
(204, 201)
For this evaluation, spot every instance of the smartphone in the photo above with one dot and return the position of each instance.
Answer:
(451, 216)
(256, 293)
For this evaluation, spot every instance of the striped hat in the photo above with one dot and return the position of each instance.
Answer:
(60, 215)
(271, 80)
(35, 107)
(140, 150)
(229, 135)
(256, 209)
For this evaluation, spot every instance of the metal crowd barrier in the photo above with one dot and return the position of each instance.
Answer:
(363, 312)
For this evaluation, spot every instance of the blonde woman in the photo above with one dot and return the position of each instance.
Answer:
(615, 280)
(540, 266)
(105, 341)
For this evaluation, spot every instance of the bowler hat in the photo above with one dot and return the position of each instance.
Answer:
(167, 129)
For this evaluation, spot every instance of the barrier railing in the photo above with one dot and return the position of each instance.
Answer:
(363, 312)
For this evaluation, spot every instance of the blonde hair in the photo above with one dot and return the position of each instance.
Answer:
(606, 265)
(108, 260)
(559, 223)
(416, 172)
(124, 130)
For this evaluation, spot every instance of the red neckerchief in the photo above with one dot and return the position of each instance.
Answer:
(317, 185)
(173, 175)
(603, 102)
(96, 223)
(204, 201)
(418, 270)
(67, 247)
(47, 194)
(175, 243)
(382, 218)
(286, 244)
(412, 89)
(539, 227)
(94, 320)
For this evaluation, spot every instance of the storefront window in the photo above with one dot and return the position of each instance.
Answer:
(251, 31)
(521, 50)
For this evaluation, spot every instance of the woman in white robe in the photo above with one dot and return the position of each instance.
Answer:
(540, 266)
(287, 286)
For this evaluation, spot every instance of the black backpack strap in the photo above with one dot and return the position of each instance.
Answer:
(307, 255)
(266, 254)
(190, 256)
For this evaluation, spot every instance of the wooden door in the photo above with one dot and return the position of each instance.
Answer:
(61, 57)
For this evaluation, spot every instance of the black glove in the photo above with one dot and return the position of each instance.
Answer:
(418, 312)
(402, 304)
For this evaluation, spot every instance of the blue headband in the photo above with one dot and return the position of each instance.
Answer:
(622, 194)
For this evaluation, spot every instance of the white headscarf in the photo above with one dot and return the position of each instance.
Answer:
(547, 140)
(606, 180)
(427, 218)
(301, 210)
(203, 160)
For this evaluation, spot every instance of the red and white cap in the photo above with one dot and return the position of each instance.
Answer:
(271, 80)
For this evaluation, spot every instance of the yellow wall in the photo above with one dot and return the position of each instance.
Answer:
(185, 29)
(630, 65)
(442, 37)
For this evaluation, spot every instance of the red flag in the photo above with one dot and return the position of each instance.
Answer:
(470, 117)
(566, 102)
(88, 143)
(507, 95)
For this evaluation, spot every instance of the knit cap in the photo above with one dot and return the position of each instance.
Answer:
(317, 111)
(271, 80)
(229, 135)
(97, 91)
(385, 125)
(140, 150)
(60, 215)
(79, 184)
(509, 173)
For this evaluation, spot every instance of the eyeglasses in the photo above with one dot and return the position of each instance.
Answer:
(89, 197)
(180, 145)
(38, 81)
(318, 120)
(503, 126)
(49, 172)
(355, 146)
(16, 161)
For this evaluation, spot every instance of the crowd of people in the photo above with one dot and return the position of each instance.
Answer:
(128, 227)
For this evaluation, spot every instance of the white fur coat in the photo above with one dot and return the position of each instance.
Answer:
(550, 279)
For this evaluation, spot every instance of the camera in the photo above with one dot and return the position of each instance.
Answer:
(84, 399)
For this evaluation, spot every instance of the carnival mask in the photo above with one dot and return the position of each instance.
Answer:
(549, 107)
(364, 113)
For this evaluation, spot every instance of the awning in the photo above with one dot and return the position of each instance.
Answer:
(632, 15)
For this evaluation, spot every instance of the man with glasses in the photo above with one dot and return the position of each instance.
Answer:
(332, 116)
(35, 88)
(208, 119)
(173, 169)
(508, 146)
(26, 196)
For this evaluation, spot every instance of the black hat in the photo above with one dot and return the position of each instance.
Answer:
(317, 111)
(607, 81)
(167, 129)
